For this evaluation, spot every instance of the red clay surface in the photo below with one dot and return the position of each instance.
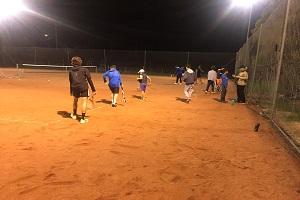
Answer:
(160, 148)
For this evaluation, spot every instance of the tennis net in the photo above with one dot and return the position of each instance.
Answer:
(33, 68)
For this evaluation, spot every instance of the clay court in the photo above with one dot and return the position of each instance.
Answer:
(160, 148)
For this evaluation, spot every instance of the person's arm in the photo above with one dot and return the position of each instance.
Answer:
(71, 81)
(120, 79)
(104, 77)
(149, 80)
(89, 79)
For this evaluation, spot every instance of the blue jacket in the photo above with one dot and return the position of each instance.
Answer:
(178, 71)
(224, 80)
(114, 78)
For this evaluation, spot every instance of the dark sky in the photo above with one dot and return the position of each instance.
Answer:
(157, 25)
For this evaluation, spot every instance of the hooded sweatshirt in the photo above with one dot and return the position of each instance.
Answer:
(78, 77)
(189, 77)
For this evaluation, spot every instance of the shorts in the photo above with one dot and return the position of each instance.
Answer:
(143, 86)
(78, 94)
(114, 90)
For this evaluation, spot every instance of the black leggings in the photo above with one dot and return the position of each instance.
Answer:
(241, 93)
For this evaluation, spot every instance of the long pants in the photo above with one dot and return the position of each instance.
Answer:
(223, 93)
(241, 93)
(212, 84)
(188, 89)
(178, 77)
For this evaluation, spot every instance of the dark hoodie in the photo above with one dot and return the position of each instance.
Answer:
(78, 77)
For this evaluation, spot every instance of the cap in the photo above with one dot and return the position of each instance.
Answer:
(141, 71)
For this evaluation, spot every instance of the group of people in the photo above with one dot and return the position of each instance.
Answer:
(219, 78)
(80, 78)
(180, 71)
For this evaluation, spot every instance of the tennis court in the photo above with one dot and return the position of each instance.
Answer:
(160, 148)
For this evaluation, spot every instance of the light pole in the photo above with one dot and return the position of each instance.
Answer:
(246, 4)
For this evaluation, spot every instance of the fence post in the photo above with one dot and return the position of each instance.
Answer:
(280, 59)
(256, 60)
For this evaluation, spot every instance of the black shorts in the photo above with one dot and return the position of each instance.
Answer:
(78, 94)
(114, 90)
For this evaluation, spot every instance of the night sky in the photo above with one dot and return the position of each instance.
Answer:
(153, 25)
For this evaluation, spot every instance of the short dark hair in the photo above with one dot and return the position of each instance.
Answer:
(213, 67)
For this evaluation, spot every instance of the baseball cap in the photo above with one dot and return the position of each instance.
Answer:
(141, 71)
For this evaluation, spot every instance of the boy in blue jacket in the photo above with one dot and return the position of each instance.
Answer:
(224, 85)
(114, 83)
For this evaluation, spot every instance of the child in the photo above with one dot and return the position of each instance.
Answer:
(143, 82)
(224, 85)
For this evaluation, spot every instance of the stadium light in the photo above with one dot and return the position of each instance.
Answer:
(245, 4)
(11, 7)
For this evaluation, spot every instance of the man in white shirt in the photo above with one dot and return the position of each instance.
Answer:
(211, 78)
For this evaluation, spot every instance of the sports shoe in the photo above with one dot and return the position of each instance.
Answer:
(205, 92)
(212, 92)
(83, 121)
(175, 83)
(113, 105)
(73, 116)
(188, 101)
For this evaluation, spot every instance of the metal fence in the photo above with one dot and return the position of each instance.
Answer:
(154, 62)
(272, 55)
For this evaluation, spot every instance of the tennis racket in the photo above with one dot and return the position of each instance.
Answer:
(123, 95)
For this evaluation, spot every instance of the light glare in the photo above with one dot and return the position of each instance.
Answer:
(244, 3)
(11, 7)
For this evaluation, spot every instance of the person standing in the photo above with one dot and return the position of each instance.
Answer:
(79, 79)
(241, 84)
(199, 71)
(190, 78)
(178, 73)
(143, 82)
(114, 83)
(211, 78)
(224, 84)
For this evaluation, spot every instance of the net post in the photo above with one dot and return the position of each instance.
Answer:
(17, 69)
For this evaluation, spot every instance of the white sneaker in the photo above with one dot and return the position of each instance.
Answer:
(83, 121)
(73, 116)
(205, 92)
(175, 83)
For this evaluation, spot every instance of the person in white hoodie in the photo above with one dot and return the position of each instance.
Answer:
(211, 78)
(189, 77)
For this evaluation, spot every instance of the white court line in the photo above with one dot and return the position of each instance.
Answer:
(40, 123)
(93, 109)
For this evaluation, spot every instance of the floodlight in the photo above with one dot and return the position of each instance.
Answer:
(244, 3)
(11, 7)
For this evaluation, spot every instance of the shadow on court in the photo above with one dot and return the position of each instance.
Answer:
(64, 114)
(180, 99)
(136, 96)
(104, 101)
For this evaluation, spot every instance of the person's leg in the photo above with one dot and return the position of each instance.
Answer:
(177, 78)
(180, 75)
(223, 94)
(75, 103)
(190, 91)
(115, 97)
(239, 95)
(212, 86)
(243, 99)
(207, 86)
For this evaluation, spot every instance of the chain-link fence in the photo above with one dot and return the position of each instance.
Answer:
(272, 55)
(154, 62)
